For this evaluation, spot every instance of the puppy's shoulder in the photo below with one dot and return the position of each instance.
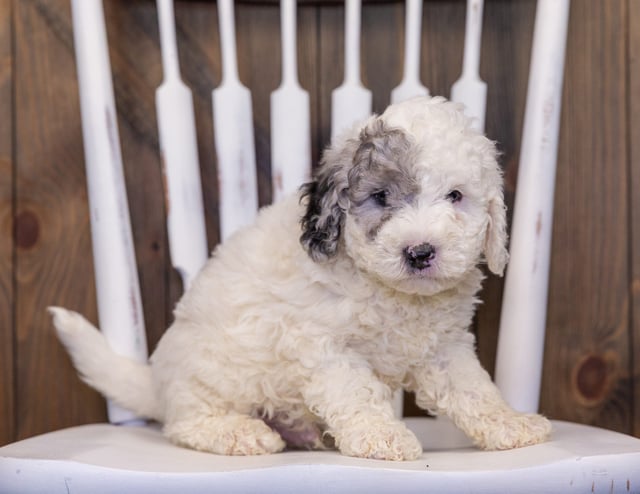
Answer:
(259, 250)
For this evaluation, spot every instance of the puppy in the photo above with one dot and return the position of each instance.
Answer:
(304, 324)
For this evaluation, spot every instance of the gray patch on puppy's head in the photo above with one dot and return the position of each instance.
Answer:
(377, 160)
(381, 180)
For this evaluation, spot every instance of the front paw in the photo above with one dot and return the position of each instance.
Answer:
(509, 430)
(380, 441)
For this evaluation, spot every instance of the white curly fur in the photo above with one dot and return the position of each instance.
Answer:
(276, 343)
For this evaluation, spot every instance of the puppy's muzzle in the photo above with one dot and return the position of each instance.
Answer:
(420, 256)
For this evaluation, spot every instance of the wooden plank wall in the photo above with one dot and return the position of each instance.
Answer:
(593, 334)
(634, 200)
(7, 402)
(589, 325)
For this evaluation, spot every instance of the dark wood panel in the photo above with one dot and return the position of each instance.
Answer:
(587, 358)
(330, 60)
(53, 261)
(443, 26)
(7, 419)
(309, 71)
(258, 31)
(382, 50)
(634, 201)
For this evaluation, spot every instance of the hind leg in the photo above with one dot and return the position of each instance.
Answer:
(199, 420)
(231, 434)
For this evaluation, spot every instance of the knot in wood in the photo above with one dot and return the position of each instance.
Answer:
(27, 229)
(592, 379)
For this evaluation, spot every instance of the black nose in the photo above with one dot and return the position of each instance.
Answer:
(420, 256)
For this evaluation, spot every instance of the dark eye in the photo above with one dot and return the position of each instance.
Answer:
(454, 196)
(380, 198)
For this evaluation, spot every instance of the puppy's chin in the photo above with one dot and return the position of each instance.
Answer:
(430, 281)
(421, 284)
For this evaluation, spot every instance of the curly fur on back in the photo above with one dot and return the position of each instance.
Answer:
(304, 323)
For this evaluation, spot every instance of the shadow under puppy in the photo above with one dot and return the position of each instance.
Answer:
(307, 321)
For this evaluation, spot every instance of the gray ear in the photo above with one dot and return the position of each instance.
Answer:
(327, 201)
(322, 222)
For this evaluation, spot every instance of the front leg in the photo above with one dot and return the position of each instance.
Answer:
(455, 384)
(356, 406)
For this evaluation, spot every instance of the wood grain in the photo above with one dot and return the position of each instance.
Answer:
(309, 71)
(633, 109)
(330, 60)
(53, 263)
(258, 31)
(7, 356)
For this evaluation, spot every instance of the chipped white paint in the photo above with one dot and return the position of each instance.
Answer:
(351, 101)
(524, 306)
(119, 305)
(179, 149)
(290, 116)
(410, 85)
(469, 89)
(233, 129)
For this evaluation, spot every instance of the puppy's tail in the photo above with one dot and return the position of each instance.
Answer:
(127, 382)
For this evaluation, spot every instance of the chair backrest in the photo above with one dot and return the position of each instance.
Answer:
(518, 368)
(119, 303)
(524, 306)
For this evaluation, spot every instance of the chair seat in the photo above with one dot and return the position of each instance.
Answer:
(104, 458)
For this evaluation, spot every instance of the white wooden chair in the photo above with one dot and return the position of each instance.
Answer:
(106, 458)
